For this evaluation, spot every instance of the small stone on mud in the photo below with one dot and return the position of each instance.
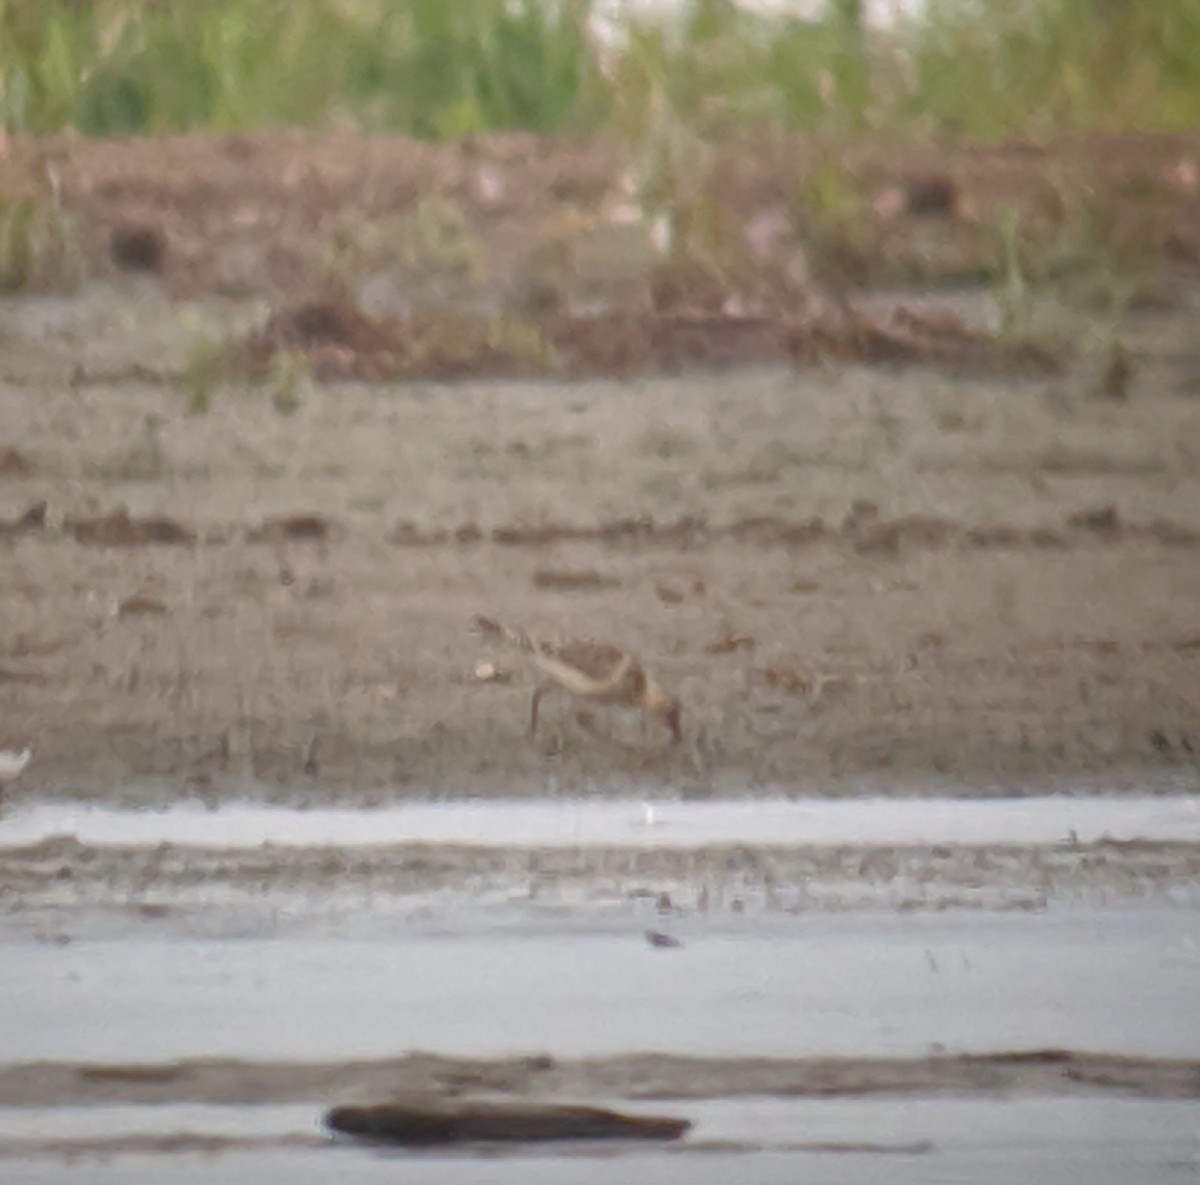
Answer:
(301, 526)
(573, 580)
(137, 249)
(488, 672)
(141, 605)
(730, 643)
(14, 463)
(1102, 520)
(933, 196)
(789, 679)
(30, 520)
(661, 941)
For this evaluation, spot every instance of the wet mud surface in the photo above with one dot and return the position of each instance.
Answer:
(839, 583)
(1046, 1072)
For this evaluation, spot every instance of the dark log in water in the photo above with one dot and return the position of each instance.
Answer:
(435, 1122)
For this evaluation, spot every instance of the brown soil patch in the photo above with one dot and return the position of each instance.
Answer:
(508, 255)
(250, 212)
(340, 341)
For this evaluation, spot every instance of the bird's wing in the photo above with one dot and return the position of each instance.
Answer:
(586, 668)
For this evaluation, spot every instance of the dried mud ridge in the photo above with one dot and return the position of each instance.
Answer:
(340, 341)
(863, 528)
(783, 880)
(1042, 1072)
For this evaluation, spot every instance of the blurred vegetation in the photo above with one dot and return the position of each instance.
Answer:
(39, 246)
(437, 68)
(426, 67)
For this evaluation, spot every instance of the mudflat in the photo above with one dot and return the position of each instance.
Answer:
(836, 585)
(845, 571)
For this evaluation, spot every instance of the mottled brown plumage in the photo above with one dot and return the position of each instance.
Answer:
(595, 671)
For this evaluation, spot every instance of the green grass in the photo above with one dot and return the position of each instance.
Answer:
(425, 67)
(439, 68)
(1043, 66)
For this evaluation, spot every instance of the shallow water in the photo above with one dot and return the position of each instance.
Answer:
(757, 1140)
(1112, 981)
(272, 936)
(574, 823)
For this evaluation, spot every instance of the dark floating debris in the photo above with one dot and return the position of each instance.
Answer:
(437, 1122)
(662, 940)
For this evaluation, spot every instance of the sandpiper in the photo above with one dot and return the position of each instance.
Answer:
(12, 762)
(595, 671)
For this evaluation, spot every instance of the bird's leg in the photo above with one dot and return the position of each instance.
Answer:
(535, 703)
(606, 735)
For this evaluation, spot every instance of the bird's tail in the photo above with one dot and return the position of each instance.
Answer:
(489, 627)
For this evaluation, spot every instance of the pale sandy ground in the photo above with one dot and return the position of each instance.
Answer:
(1042, 644)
